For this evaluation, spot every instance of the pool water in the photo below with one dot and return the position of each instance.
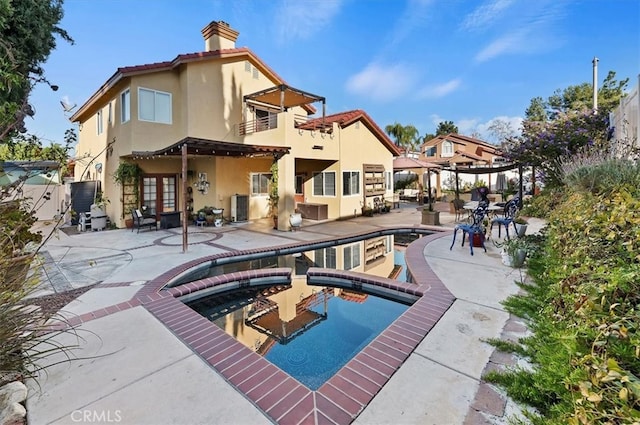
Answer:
(351, 256)
(308, 332)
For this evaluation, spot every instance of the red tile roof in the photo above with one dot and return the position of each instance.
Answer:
(345, 119)
(128, 71)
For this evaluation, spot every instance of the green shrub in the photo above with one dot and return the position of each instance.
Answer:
(582, 309)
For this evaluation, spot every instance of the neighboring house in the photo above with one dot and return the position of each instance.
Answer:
(234, 116)
(38, 182)
(455, 151)
(625, 118)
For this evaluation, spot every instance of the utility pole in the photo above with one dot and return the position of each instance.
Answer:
(595, 85)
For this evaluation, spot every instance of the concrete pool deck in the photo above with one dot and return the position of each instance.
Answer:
(132, 369)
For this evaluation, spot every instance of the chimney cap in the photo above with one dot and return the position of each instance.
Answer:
(220, 28)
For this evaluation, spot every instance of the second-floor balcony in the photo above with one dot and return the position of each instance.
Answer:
(261, 124)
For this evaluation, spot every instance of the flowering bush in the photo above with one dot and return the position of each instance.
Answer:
(545, 143)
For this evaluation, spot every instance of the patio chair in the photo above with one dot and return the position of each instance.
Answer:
(510, 210)
(471, 229)
(458, 208)
(139, 220)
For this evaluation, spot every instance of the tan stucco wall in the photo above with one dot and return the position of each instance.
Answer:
(207, 102)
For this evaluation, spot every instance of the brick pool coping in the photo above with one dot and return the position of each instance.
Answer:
(282, 398)
(279, 396)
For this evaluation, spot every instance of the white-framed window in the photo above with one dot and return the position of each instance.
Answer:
(447, 148)
(325, 257)
(324, 183)
(125, 106)
(260, 184)
(350, 183)
(110, 113)
(430, 151)
(256, 74)
(351, 254)
(247, 66)
(388, 180)
(265, 119)
(154, 106)
(99, 124)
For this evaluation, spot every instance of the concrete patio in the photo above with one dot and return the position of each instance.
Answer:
(132, 369)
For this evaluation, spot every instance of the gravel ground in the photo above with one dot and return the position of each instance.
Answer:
(51, 304)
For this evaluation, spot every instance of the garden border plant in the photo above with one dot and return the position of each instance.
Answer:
(581, 303)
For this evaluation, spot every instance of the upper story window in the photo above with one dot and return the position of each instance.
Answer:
(350, 182)
(447, 148)
(110, 113)
(265, 119)
(125, 106)
(99, 126)
(430, 151)
(324, 183)
(154, 106)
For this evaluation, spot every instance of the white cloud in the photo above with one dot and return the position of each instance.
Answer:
(381, 83)
(531, 28)
(297, 20)
(485, 15)
(467, 126)
(509, 43)
(440, 90)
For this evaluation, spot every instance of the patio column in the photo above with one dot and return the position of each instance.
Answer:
(185, 220)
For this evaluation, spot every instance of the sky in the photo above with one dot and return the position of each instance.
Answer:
(416, 62)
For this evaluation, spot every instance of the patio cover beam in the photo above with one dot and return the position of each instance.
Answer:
(284, 96)
(206, 147)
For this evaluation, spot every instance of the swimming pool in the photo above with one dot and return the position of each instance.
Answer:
(311, 335)
(280, 397)
(360, 254)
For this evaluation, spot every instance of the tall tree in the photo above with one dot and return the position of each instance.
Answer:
(405, 136)
(580, 97)
(28, 30)
(446, 127)
(501, 130)
(537, 110)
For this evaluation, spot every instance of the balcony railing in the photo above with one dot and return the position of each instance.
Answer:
(261, 124)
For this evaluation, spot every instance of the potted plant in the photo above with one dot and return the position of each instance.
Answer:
(128, 220)
(521, 226)
(99, 211)
(367, 210)
(430, 216)
(274, 197)
(514, 251)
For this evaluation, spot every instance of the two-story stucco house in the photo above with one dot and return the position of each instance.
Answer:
(225, 116)
(463, 153)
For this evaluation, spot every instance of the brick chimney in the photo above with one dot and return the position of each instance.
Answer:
(219, 35)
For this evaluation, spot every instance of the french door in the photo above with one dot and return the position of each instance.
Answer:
(159, 193)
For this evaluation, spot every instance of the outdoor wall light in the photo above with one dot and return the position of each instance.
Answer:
(202, 185)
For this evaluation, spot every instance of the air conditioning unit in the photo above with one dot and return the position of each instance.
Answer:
(239, 207)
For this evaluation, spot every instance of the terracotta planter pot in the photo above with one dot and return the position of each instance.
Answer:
(477, 240)
(128, 223)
